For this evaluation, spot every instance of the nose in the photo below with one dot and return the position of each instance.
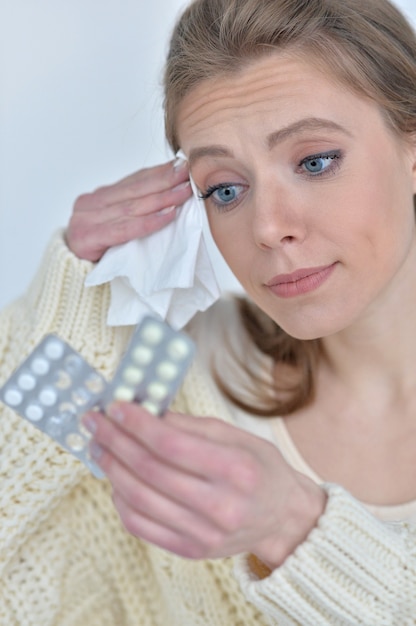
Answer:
(278, 220)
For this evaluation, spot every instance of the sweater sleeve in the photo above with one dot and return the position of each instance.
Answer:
(352, 569)
(57, 301)
(36, 473)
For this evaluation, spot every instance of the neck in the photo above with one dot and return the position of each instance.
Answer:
(379, 350)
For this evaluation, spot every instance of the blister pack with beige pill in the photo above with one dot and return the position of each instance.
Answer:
(54, 386)
(152, 367)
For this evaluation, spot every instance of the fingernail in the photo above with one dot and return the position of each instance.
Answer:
(90, 423)
(96, 450)
(115, 413)
(169, 209)
(184, 185)
(179, 163)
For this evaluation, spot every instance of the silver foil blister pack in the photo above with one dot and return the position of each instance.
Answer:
(52, 389)
(54, 386)
(152, 367)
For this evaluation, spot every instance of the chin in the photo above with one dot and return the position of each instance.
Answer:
(305, 334)
(316, 319)
(306, 329)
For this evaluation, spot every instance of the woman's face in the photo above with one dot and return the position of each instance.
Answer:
(309, 194)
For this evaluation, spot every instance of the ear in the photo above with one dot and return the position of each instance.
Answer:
(412, 153)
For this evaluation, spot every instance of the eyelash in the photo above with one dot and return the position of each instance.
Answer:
(335, 156)
(213, 188)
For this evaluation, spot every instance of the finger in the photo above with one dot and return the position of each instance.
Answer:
(189, 452)
(102, 213)
(209, 427)
(145, 182)
(90, 234)
(167, 494)
(173, 172)
(208, 534)
(144, 206)
(179, 515)
(95, 240)
(153, 447)
(158, 534)
(124, 230)
(151, 468)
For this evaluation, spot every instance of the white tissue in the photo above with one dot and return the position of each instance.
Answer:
(168, 274)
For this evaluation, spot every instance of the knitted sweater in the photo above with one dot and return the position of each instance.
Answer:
(65, 559)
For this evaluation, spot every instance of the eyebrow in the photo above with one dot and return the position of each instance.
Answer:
(277, 136)
(308, 123)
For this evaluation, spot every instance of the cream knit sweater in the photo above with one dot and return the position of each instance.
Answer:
(65, 560)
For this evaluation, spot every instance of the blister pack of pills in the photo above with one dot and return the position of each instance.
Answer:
(55, 386)
(152, 367)
(51, 389)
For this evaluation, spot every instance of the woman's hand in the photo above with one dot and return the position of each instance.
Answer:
(201, 488)
(133, 207)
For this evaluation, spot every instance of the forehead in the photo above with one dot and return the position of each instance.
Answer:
(281, 87)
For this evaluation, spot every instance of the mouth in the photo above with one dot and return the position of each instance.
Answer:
(301, 281)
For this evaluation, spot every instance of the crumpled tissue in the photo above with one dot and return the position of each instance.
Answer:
(168, 274)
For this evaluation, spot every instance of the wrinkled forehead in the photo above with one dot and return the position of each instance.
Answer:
(284, 84)
(274, 85)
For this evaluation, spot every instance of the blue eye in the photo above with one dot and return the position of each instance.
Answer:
(223, 195)
(319, 163)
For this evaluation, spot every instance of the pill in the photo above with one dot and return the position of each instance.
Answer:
(124, 393)
(26, 381)
(34, 412)
(94, 383)
(62, 379)
(13, 397)
(151, 407)
(167, 370)
(80, 396)
(142, 355)
(178, 349)
(133, 375)
(54, 349)
(82, 428)
(152, 333)
(59, 418)
(157, 391)
(48, 396)
(67, 408)
(75, 442)
(40, 366)
(54, 426)
(72, 363)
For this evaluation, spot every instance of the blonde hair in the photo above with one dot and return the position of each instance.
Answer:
(367, 45)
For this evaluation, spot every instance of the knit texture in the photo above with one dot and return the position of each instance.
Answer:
(353, 569)
(65, 559)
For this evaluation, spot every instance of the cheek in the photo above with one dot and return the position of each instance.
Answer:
(231, 238)
(383, 230)
(376, 209)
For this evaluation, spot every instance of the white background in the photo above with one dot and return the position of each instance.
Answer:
(80, 106)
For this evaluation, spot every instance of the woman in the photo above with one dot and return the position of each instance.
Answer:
(298, 121)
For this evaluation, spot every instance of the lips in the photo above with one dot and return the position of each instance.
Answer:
(301, 281)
